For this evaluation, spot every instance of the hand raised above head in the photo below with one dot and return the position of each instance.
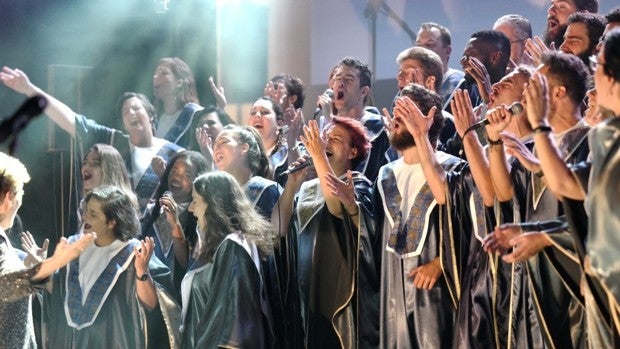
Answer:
(462, 111)
(312, 139)
(416, 122)
(218, 93)
(537, 100)
(18, 81)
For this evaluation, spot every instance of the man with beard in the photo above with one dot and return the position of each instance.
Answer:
(582, 35)
(419, 281)
(557, 18)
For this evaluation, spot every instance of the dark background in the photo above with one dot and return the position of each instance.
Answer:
(87, 53)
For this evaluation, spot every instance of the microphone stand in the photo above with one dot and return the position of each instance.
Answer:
(372, 10)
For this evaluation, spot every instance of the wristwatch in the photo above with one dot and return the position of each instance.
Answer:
(143, 277)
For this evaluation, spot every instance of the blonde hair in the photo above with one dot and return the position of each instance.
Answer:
(13, 174)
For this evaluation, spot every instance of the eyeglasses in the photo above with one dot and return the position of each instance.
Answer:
(594, 63)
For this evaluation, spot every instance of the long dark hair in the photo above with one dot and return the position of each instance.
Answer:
(117, 205)
(228, 211)
(193, 158)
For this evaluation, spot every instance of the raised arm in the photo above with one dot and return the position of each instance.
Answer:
(59, 112)
(283, 210)
(418, 125)
(499, 168)
(478, 163)
(557, 175)
(315, 145)
(145, 289)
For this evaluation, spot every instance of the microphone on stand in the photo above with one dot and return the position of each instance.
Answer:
(329, 93)
(515, 108)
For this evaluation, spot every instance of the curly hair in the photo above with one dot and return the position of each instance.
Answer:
(228, 211)
(117, 205)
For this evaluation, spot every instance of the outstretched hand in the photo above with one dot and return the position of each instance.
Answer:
(515, 147)
(35, 253)
(463, 111)
(343, 190)
(479, 72)
(18, 81)
(144, 251)
(537, 100)
(526, 246)
(417, 123)
(218, 92)
(312, 140)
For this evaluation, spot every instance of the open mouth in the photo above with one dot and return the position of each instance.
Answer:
(258, 126)
(218, 158)
(552, 23)
(340, 95)
(87, 226)
(329, 153)
(87, 176)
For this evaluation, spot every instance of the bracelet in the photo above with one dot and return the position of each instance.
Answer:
(497, 142)
(543, 129)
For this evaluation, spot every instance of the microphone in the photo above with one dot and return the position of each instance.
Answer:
(293, 169)
(12, 126)
(167, 193)
(515, 108)
(329, 93)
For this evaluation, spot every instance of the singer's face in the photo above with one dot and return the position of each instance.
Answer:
(136, 121)
(338, 148)
(92, 174)
(228, 153)
(263, 119)
(508, 90)
(212, 124)
(198, 207)
(95, 220)
(180, 180)
(346, 86)
(165, 84)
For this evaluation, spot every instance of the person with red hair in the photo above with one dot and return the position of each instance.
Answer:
(330, 234)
